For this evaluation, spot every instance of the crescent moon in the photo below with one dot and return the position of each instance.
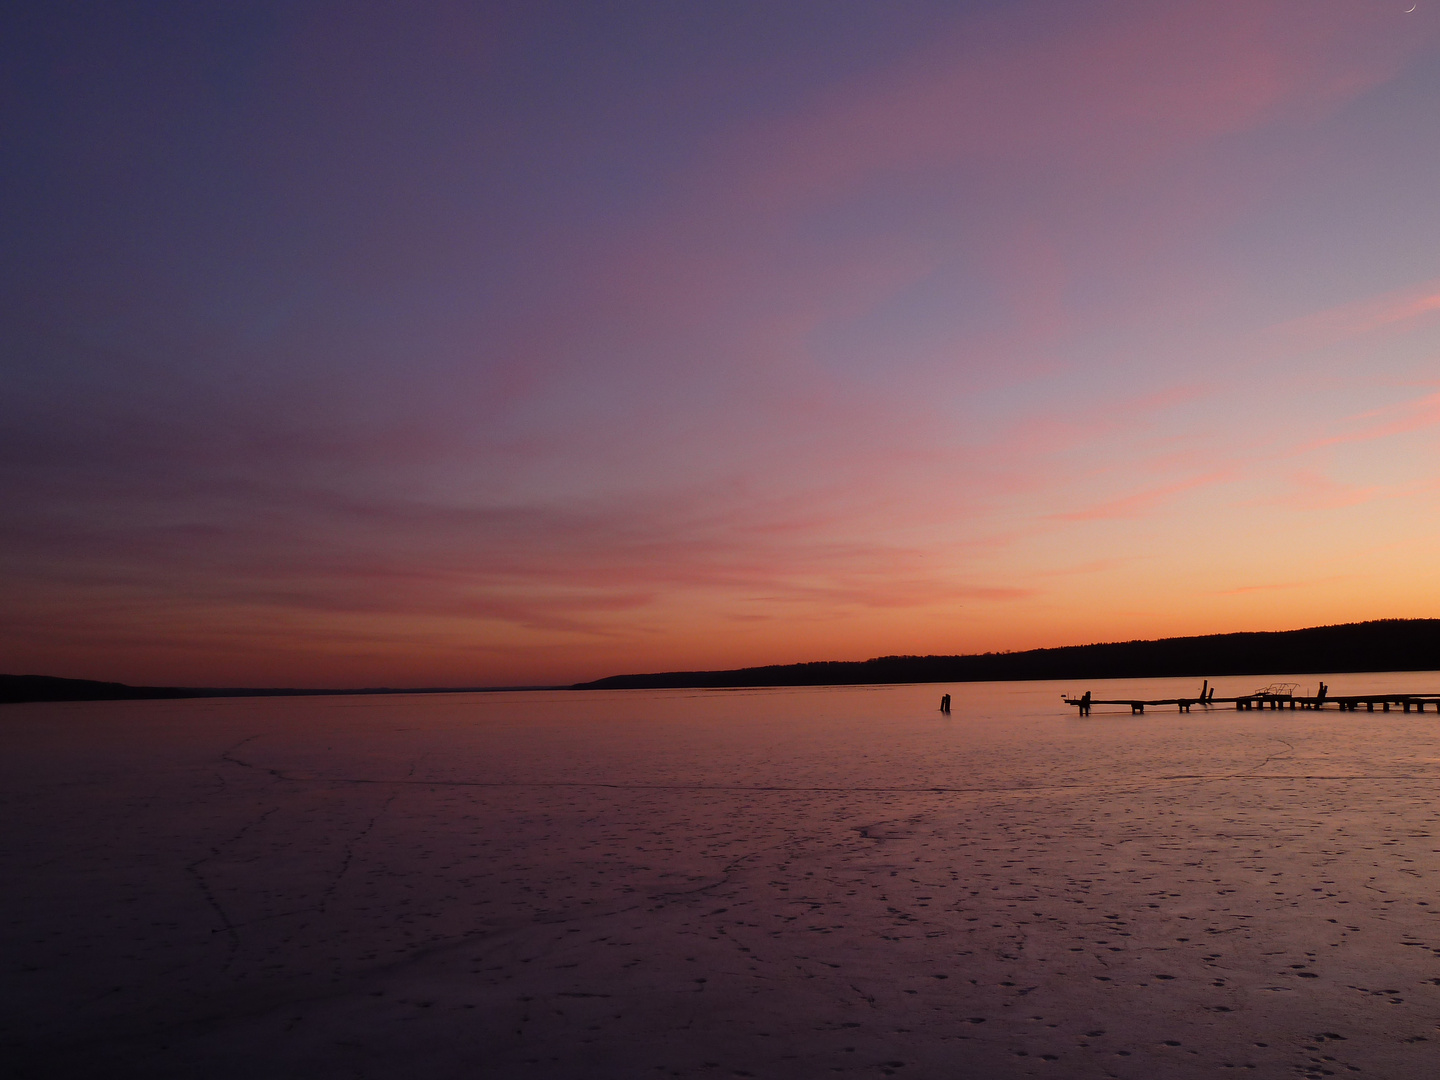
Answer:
(1411, 8)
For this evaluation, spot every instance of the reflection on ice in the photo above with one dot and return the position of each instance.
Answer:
(715, 883)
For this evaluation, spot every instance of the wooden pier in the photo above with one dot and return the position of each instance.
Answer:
(1270, 697)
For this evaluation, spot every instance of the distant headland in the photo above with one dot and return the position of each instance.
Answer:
(1381, 645)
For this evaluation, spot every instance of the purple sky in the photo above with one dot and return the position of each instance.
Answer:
(477, 343)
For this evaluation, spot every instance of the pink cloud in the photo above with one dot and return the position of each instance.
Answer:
(1121, 86)
(567, 570)
(1094, 566)
(1142, 502)
(1313, 491)
(1391, 311)
(1403, 419)
(1130, 83)
(1245, 590)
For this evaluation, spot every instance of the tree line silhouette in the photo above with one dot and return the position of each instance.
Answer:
(1380, 645)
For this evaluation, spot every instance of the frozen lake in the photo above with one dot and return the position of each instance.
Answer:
(770, 883)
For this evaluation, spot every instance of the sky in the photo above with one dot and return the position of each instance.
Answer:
(511, 343)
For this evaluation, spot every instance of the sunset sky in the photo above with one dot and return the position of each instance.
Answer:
(475, 344)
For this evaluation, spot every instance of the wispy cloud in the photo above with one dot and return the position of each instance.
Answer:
(1402, 419)
(1141, 503)
(1312, 490)
(1282, 586)
(1392, 311)
(1117, 91)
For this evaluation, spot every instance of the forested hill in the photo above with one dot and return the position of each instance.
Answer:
(1383, 645)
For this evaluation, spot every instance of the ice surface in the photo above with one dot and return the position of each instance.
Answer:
(770, 883)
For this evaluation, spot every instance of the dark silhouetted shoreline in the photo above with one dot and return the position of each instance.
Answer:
(1382, 645)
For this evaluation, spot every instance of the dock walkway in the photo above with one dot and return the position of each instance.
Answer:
(1268, 699)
